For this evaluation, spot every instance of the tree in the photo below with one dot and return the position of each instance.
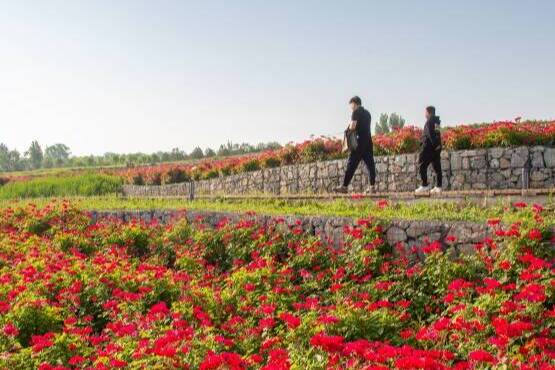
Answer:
(382, 126)
(225, 149)
(209, 153)
(388, 123)
(4, 157)
(396, 122)
(177, 155)
(58, 154)
(197, 153)
(35, 155)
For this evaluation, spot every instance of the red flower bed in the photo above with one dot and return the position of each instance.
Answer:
(75, 295)
(405, 140)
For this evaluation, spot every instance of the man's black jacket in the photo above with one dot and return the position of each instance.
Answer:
(431, 138)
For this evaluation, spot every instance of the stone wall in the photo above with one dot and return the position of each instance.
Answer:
(411, 234)
(182, 189)
(495, 168)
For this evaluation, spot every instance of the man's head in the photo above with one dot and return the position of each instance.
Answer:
(355, 102)
(430, 111)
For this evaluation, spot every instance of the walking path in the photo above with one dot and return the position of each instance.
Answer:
(486, 196)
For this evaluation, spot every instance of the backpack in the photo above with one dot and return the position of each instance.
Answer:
(350, 142)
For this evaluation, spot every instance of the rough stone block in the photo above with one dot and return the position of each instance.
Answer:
(395, 234)
(549, 157)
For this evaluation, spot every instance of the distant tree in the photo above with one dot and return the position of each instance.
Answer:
(90, 160)
(177, 155)
(57, 154)
(396, 122)
(382, 126)
(4, 157)
(209, 153)
(197, 153)
(273, 145)
(35, 155)
(153, 158)
(225, 149)
(388, 123)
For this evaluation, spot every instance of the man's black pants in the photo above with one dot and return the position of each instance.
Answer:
(361, 154)
(430, 156)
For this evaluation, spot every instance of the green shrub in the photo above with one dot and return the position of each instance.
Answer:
(137, 241)
(409, 144)
(212, 174)
(271, 162)
(32, 320)
(155, 178)
(289, 155)
(138, 179)
(66, 242)
(506, 138)
(252, 165)
(226, 171)
(81, 185)
(175, 176)
(314, 151)
(461, 142)
(180, 232)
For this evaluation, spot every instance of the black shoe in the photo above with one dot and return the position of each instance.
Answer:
(341, 189)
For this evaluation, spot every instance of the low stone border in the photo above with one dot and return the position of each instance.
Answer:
(412, 234)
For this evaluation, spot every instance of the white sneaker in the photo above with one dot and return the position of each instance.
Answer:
(436, 190)
(422, 190)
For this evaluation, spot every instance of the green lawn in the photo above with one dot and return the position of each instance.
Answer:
(86, 184)
(431, 210)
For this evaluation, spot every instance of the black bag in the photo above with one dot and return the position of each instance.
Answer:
(350, 142)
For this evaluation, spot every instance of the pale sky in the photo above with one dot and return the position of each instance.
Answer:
(134, 75)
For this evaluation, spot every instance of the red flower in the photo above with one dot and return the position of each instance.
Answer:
(535, 234)
(291, 320)
(382, 203)
(11, 330)
(76, 360)
(481, 356)
(329, 343)
(39, 342)
(434, 247)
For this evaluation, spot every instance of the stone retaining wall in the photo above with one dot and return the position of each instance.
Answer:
(412, 234)
(495, 168)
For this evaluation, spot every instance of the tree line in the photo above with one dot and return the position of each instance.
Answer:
(59, 155)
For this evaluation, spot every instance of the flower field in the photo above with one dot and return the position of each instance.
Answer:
(402, 141)
(76, 295)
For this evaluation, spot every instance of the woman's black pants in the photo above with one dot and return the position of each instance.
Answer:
(430, 156)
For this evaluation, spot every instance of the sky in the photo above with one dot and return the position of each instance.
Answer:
(134, 75)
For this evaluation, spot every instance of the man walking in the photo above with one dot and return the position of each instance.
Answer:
(430, 152)
(360, 123)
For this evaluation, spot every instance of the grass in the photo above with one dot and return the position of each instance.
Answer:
(88, 184)
(434, 210)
